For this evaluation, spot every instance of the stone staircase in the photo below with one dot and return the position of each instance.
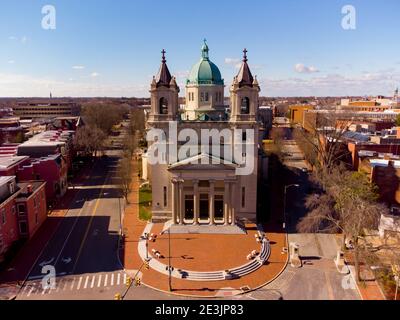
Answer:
(233, 273)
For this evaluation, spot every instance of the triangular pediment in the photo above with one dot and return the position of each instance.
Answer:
(203, 161)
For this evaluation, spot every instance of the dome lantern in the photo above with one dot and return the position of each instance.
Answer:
(205, 72)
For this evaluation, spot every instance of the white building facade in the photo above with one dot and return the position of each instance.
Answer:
(212, 179)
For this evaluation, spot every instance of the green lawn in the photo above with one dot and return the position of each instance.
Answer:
(145, 199)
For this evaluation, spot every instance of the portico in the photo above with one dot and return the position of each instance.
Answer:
(197, 201)
(203, 193)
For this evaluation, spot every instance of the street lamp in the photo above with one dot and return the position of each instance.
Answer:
(169, 260)
(146, 236)
(284, 202)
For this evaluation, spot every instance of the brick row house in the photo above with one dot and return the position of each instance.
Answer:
(47, 156)
(22, 211)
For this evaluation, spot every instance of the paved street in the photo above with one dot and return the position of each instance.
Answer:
(318, 278)
(92, 222)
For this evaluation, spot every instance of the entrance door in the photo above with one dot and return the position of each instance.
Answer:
(204, 207)
(189, 205)
(219, 206)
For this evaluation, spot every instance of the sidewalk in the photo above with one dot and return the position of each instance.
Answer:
(368, 290)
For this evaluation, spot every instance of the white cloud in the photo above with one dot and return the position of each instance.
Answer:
(233, 62)
(94, 74)
(180, 74)
(23, 39)
(301, 68)
(22, 85)
(372, 83)
(78, 67)
(11, 61)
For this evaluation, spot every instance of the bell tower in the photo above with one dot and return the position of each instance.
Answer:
(164, 95)
(244, 94)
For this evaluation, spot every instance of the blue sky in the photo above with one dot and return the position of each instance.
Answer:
(112, 48)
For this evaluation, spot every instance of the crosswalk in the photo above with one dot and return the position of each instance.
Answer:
(75, 283)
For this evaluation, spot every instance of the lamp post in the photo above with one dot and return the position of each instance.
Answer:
(146, 236)
(169, 260)
(169, 268)
(284, 202)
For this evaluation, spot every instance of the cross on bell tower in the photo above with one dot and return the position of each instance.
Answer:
(163, 56)
(244, 55)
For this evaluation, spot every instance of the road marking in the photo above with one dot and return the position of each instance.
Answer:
(329, 287)
(69, 234)
(59, 285)
(118, 279)
(24, 290)
(30, 291)
(124, 277)
(112, 279)
(106, 280)
(86, 282)
(65, 285)
(79, 283)
(72, 285)
(90, 223)
(92, 284)
(99, 282)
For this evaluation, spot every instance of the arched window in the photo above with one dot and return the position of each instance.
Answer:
(163, 106)
(245, 106)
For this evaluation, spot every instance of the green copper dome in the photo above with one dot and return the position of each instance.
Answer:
(204, 71)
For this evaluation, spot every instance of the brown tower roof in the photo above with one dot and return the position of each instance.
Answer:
(244, 77)
(163, 77)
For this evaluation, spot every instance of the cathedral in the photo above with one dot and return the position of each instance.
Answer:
(205, 187)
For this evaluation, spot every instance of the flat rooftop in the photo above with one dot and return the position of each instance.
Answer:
(6, 179)
(7, 162)
(24, 188)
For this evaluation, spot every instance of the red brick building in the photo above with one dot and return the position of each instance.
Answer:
(53, 169)
(23, 209)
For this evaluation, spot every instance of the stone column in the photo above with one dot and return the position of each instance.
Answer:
(233, 201)
(174, 206)
(181, 203)
(226, 203)
(211, 202)
(196, 202)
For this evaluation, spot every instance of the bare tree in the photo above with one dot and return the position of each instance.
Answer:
(103, 115)
(90, 140)
(347, 204)
(321, 139)
(124, 173)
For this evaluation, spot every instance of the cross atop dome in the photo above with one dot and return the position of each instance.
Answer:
(163, 56)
